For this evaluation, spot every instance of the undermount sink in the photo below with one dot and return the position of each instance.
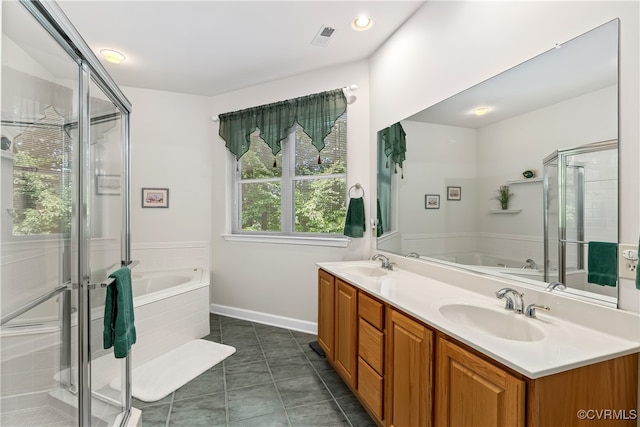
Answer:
(365, 271)
(506, 325)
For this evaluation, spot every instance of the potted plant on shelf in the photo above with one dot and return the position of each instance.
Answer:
(503, 196)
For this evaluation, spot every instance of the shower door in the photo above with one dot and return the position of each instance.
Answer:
(64, 225)
(580, 206)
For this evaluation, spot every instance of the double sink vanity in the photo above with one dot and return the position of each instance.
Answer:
(424, 345)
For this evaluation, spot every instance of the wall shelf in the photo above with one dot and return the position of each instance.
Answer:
(524, 181)
(506, 211)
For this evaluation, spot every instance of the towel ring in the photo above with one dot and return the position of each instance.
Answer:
(357, 186)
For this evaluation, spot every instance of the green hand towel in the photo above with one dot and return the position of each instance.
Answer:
(379, 229)
(603, 263)
(354, 225)
(119, 329)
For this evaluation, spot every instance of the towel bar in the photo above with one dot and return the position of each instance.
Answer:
(357, 186)
(110, 280)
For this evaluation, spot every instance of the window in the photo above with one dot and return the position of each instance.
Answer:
(292, 193)
(41, 178)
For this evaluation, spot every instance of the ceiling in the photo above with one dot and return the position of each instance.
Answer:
(213, 47)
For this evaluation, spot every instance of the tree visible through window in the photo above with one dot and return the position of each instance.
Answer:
(293, 193)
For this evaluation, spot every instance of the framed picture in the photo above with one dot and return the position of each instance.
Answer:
(155, 197)
(454, 193)
(108, 185)
(432, 201)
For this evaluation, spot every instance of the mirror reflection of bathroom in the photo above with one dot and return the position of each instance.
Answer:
(564, 98)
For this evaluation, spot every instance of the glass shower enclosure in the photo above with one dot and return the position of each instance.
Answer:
(580, 206)
(64, 223)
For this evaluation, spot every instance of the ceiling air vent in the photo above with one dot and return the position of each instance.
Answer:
(323, 37)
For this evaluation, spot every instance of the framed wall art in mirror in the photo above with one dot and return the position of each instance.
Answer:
(564, 99)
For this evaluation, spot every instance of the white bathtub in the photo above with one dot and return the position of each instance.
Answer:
(171, 308)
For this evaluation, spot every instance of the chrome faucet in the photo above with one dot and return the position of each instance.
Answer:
(555, 285)
(518, 305)
(532, 264)
(413, 255)
(385, 261)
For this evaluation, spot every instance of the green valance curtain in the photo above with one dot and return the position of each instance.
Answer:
(395, 145)
(316, 114)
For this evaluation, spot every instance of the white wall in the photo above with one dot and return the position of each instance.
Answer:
(447, 47)
(171, 147)
(281, 279)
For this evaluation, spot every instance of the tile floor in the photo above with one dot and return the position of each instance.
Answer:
(273, 379)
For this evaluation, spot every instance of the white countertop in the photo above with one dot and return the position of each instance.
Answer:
(564, 345)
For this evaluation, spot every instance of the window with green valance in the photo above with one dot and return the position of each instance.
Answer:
(316, 114)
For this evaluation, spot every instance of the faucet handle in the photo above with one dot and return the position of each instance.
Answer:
(531, 310)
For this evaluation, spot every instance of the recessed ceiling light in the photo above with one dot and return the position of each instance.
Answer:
(112, 56)
(362, 23)
(481, 111)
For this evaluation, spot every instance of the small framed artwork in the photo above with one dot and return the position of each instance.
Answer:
(108, 185)
(155, 197)
(432, 201)
(454, 193)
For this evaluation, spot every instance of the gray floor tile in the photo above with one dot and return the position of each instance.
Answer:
(242, 389)
(302, 390)
(209, 410)
(280, 349)
(245, 354)
(250, 402)
(246, 375)
(317, 414)
(277, 419)
(210, 382)
(290, 367)
(155, 416)
(354, 411)
(334, 383)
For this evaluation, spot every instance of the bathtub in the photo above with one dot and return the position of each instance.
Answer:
(171, 307)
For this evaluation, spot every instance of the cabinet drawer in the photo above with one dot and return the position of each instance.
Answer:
(371, 310)
(370, 387)
(371, 346)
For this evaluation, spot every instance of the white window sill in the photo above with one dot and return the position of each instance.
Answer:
(336, 242)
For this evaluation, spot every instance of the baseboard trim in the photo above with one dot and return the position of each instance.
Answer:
(265, 318)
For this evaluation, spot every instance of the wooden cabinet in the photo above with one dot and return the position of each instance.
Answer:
(404, 377)
(371, 354)
(470, 391)
(346, 327)
(326, 316)
(409, 372)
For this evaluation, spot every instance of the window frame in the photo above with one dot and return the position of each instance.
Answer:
(288, 180)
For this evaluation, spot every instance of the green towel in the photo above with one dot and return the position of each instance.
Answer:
(603, 263)
(119, 330)
(379, 229)
(354, 222)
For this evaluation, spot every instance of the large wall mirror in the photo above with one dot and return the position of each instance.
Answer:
(548, 132)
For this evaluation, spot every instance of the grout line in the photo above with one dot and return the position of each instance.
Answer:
(325, 385)
(170, 409)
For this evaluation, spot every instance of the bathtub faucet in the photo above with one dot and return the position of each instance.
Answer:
(532, 264)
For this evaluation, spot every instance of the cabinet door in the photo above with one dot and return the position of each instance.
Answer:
(346, 323)
(471, 391)
(409, 367)
(326, 307)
